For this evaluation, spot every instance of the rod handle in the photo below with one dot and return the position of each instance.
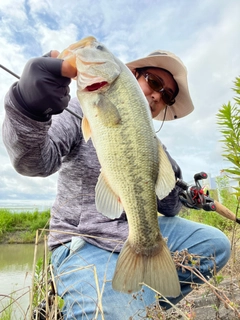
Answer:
(225, 212)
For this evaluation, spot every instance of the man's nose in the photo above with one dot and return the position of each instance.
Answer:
(156, 96)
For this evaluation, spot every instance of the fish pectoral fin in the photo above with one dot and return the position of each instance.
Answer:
(108, 112)
(156, 270)
(107, 202)
(86, 130)
(166, 178)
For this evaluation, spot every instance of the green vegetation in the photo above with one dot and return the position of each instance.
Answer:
(228, 121)
(8, 309)
(21, 227)
(43, 288)
(227, 281)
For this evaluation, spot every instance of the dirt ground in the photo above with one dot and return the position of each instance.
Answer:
(218, 301)
(203, 304)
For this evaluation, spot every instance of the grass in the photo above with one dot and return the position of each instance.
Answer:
(7, 310)
(223, 298)
(224, 288)
(21, 227)
(10, 305)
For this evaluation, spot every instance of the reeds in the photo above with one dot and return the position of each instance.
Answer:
(44, 303)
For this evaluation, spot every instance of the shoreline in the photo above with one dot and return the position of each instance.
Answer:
(16, 237)
(22, 227)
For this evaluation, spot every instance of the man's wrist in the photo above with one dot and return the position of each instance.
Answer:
(19, 103)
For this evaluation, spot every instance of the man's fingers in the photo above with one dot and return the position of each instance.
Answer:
(68, 70)
(54, 53)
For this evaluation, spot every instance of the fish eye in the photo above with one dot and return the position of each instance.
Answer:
(99, 47)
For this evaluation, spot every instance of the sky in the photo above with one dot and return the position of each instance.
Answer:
(203, 33)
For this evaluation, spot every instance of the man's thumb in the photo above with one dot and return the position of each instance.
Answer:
(68, 70)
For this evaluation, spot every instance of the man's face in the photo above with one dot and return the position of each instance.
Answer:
(154, 98)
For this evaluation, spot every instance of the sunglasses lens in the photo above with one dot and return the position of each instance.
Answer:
(167, 97)
(155, 83)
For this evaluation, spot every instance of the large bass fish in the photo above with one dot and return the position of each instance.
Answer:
(134, 166)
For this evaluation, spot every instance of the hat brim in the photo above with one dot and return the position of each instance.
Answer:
(183, 103)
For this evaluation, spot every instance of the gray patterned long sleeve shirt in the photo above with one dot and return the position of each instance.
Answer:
(39, 149)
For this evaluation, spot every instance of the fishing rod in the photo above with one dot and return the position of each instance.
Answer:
(192, 196)
(195, 198)
(15, 75)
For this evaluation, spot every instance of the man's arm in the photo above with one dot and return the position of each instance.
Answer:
(37, 148)
(36, 141)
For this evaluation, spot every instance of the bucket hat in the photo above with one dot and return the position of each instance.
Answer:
(166, 60)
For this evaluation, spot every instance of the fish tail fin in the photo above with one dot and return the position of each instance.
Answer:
(158, 271)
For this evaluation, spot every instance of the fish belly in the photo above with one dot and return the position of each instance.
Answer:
(134, 167)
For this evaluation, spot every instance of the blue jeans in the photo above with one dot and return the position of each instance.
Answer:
(83, 275)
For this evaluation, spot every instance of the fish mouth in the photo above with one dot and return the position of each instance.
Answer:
(89, 62)
(87, 82)
(96, 86)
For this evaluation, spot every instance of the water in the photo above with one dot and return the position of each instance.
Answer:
(26, 205)
(16, 264)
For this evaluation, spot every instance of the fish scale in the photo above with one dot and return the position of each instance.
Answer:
(134, 167)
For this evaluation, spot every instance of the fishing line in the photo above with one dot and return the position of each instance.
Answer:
(164, 116)
(15, 75)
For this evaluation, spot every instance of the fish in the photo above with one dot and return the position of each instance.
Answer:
(134, 166)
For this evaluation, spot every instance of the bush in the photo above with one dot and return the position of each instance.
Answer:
(28, 222)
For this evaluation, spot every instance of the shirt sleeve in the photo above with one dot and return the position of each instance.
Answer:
(35, 148)
(171, 205)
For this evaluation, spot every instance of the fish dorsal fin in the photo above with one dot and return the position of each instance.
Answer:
(166, 178)
(86, 130)
(107, 202)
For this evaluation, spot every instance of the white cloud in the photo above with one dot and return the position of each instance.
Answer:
(205, 36)
(56, 39)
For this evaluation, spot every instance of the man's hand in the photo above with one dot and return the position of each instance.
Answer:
(67, 69)
(43, 89)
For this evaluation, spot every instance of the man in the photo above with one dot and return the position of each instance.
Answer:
(42, 138)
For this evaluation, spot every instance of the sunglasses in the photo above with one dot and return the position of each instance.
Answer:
(157, 84)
